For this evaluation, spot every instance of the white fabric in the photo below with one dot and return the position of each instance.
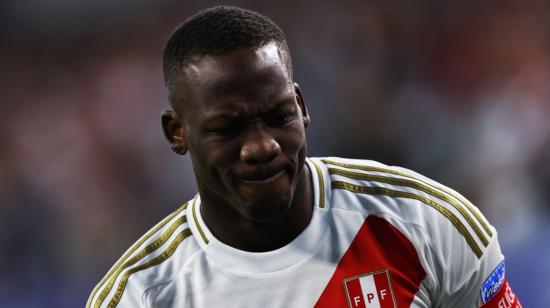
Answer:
(208, 273)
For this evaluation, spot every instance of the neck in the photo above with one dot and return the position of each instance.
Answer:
(234, 230)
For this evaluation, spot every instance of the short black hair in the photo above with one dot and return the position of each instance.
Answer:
(217, 31)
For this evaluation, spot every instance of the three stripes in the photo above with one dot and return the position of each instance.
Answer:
(124, 263)
(458, 202)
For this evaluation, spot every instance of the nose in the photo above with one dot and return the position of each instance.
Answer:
(259, 147)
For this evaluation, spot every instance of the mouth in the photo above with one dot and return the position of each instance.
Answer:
(262, 179)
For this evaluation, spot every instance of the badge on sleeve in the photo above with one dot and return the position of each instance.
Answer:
(494, 282)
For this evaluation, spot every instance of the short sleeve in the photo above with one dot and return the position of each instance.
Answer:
(476, 282)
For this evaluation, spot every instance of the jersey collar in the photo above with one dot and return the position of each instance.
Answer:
(289, 256)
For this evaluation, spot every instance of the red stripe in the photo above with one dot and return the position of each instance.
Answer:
(384, 290)
(355, 294)
(505, 298)
(377, 246)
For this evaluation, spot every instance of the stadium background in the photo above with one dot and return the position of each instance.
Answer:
(457, 91)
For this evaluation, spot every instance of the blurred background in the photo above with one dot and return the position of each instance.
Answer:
(457, 91)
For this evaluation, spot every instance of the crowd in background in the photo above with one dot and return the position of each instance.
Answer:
(457, 91)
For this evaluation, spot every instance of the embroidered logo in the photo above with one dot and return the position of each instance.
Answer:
(494, 282)
(371, 290)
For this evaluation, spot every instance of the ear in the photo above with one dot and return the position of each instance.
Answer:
(174, 131)
(302, 104)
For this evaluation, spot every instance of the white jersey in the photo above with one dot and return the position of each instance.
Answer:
(379, 236)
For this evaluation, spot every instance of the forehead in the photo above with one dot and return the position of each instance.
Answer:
(246, 74)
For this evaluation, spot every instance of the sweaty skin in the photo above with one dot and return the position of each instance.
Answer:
(243, 121)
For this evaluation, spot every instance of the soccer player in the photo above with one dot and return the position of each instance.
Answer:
(272, 228)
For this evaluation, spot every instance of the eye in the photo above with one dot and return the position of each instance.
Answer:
(226, 131)
(279, 119)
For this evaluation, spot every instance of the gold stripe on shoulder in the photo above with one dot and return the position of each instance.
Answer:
(130, 251)
(142, 254)
(193, 209)
(155, 261)
(400, 194)
(321, 180)
(443, 188)
(416, 185)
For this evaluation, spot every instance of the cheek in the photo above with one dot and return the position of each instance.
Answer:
(211, 166)
(206, 155)
(293, 146)
(219, 155)
(293, 140)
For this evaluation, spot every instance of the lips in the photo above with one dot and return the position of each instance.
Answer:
(259, 184)
(262, 178)
(261, 175)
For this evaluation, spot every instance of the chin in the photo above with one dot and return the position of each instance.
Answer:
(266, 211)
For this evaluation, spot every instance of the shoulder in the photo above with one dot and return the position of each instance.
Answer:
(154, 259)
(405, 198)
(456, 245)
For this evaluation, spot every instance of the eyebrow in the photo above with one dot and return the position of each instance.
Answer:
(225, 114)
(233, 113)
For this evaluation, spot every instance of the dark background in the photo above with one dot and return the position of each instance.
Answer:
(456, 90)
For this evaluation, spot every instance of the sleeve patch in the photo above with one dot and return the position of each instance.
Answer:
(494, 282)
(505, 298)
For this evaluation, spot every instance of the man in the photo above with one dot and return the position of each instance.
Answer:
(270, 228)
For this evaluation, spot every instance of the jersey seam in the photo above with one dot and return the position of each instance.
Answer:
(426, 240)
(166, 283)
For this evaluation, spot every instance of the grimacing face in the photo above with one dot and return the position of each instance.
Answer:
(243, 124)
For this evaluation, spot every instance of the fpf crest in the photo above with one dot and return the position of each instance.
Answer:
(371, 290)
